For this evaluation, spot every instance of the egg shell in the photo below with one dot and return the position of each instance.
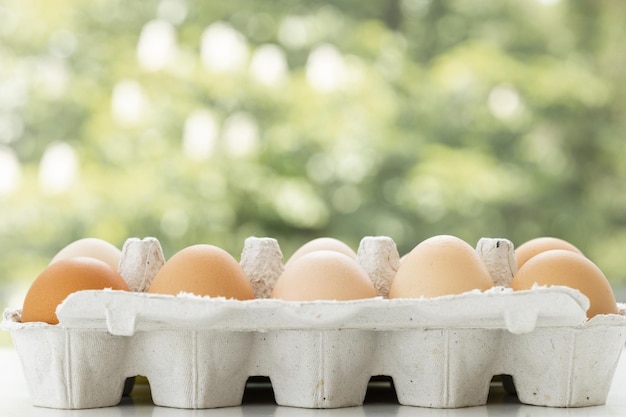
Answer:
(204, 270)
(440, 265)
(62, 278)
(93, 248)
(323, 275)
(323, 243)
(541, 244)
(571, 269)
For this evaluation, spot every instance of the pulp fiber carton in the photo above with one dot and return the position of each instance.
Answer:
(198, 352)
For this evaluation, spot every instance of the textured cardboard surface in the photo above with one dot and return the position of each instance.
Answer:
(197, 352)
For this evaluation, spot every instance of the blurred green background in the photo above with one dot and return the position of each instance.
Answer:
(214, 121)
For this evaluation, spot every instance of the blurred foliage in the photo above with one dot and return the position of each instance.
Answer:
(214, 121)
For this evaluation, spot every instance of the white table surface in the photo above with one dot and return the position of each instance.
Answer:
(15, 402)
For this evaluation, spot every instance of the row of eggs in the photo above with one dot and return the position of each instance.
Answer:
(322, 269)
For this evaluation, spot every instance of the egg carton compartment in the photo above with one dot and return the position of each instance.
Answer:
(198, 352)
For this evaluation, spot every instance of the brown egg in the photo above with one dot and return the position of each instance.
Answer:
(204, 270)
(571, 269)
(62, 278)
(440, 265)
(323, 275)
(541, 244)
(323, 243)
(91, 247)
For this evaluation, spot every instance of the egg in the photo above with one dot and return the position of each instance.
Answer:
(541, 244)
(62, 278)
(323, 275)
(204, 270)
(91, 247)
(323, 243)
(571, 269)
(440, 265)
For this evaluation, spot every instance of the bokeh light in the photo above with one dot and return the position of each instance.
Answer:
(208, 122)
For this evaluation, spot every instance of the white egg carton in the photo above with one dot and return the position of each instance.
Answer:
(198, 352)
